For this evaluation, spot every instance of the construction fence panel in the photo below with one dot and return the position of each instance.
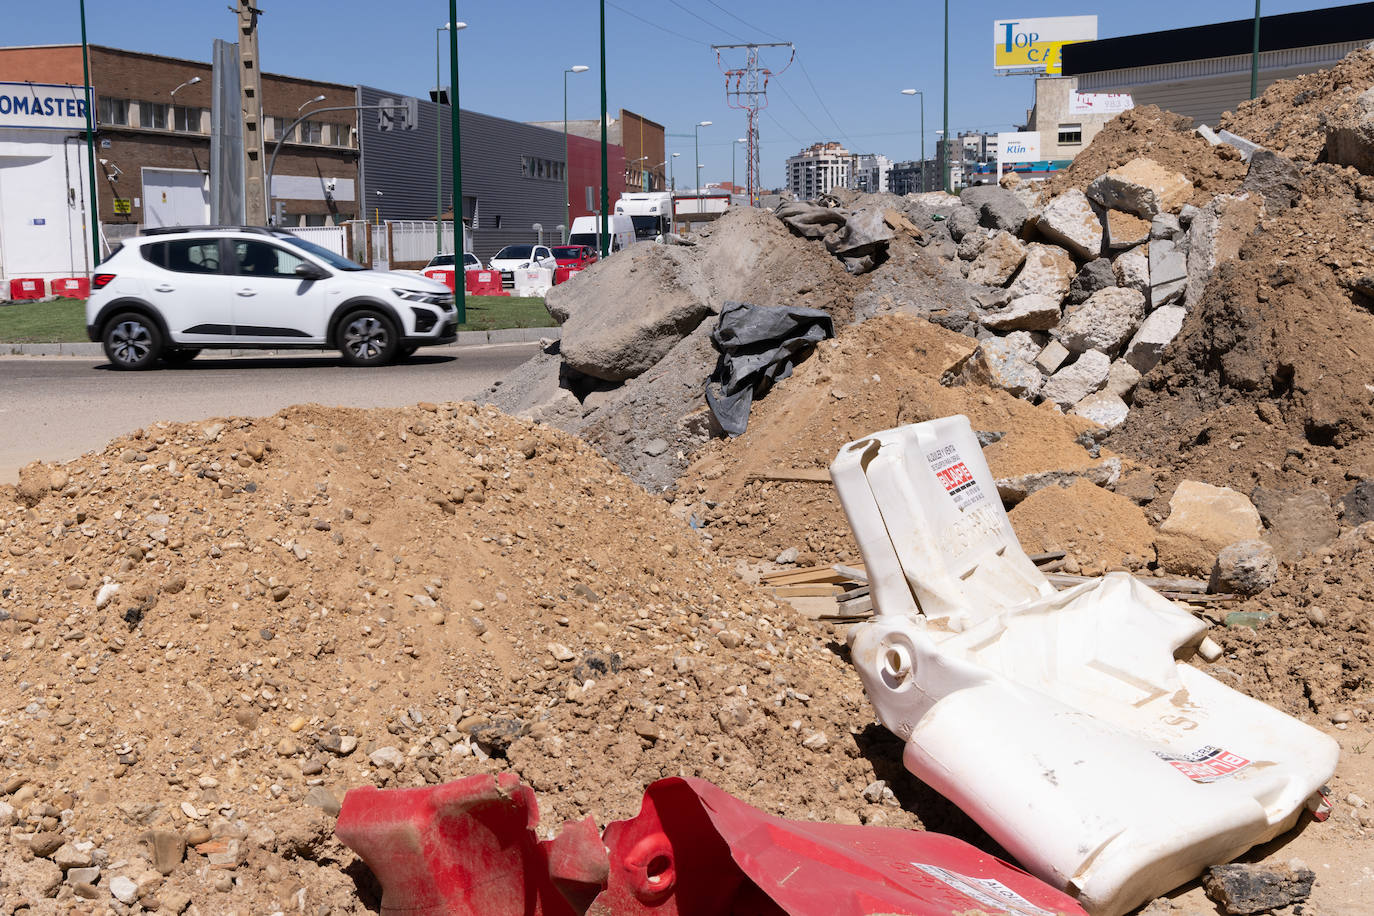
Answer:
(331, 237)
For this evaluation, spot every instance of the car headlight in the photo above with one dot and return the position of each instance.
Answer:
(419, 295)
(523, 266)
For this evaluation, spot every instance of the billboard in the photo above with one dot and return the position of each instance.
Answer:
(1033, 45)
(1018, 147)
(42, 106)
(1100, 102)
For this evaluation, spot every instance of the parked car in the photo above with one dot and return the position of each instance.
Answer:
(586, 230)
(172, 292)
(579, 256)
(470, 261)
(521, 257)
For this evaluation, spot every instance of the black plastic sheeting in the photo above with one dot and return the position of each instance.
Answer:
(758, 346)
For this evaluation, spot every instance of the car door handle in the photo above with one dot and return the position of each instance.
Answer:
(165, 288)
(248, 292)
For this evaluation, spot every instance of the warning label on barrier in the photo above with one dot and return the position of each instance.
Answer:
(954, 475)
(987, 891)
(1206, 764)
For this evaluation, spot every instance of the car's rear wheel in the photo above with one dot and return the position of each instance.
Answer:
(368, 338)
(132, 341)
(179, 357)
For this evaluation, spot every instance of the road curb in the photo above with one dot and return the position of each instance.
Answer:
(465, 339)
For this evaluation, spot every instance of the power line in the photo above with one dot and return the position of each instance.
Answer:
(742, 22)
(824, 107)
(783, 86)
(789, 133)
(704, 19)
(695, 41)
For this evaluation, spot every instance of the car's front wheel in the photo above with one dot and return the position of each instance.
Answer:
(368, 338)
(132, 341)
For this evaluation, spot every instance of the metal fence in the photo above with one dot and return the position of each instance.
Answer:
(331, 237)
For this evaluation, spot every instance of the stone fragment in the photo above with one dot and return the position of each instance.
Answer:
(1125, 230)
(1297, 522)
(1105, 322)
(997, 208)
(325, 800)
(1357, 505)
(1006, 363)
(1202, 520)
(1168, 272)
(340, 745)
(1143, 187)
(1132, 271)
(972, 245)
(1075, 382)
(168, 848)
(1216, 235)
(1052, 357)
(45, 844)
(1047, 271)
(999, 260)
(1028, 313)
(1244, 889)
(123, 889)
(1122, 379)
(1156, 332)
(1274, 178)
(1013, 490)
(389, 757)
(1091, 277)
(1245, 567)
(1247, 148)
(961, 222)
(88, 875)
(68, 857)
(1071, 221)
(1166, 226)
(1106, 410)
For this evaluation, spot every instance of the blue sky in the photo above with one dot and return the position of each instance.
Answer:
(852, 58)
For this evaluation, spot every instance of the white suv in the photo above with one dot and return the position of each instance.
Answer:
(170, 293)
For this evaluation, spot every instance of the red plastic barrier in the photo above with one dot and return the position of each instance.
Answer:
(469, 847)
(27, 288)
(564, 274)
(446, 276)
(72, 287)
(484, 283)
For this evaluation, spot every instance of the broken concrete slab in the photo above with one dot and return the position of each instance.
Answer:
(1071, 221)
(1007, 363)
(1297, 522)
(1166, 226)
(1052, 357)
(997, 207)
(1274, 178)
(1143, 187)
(1105, 409)
(1013, 490)
(999, 260)
(1104, 322)
(1245, 568)
(1075, 382)
(1247, 148)
(1048, 270)
(1125, 230)
(1243, 889)
(1208, 134)
(1156, 332)
(1132, 270)
(1091, 277)
(1122, 379)
(961, 222)
(972, 245)
(1202, 520)
(1217, 234)
(1168, 273)
(1028, 313)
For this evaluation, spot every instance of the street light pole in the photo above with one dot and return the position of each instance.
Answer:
(672, 182)
(567, 204)
(922, 96)
(696, 146)
(439, 143)
(734, 150)
(945, 158)
(605, 190)
(455, 141)
(1254, 55)
(272, 162)
(90, 139)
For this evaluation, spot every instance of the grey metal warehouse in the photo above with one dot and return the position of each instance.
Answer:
(502, 199)
(1203, 71)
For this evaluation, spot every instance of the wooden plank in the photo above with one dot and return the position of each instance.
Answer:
(802, 575)
(806, 591)
(854, 593)
(856, 573)
(814, 608)
(793, 475)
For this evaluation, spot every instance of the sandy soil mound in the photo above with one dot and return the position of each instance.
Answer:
(1166, 138)
(1291, 116)
(338, 597)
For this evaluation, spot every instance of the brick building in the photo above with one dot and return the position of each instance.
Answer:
(153, 147)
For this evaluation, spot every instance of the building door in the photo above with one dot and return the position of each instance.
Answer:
(175, 198)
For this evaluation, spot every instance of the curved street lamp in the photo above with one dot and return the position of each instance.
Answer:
(696, 146)
(567, 175)
(439, 145)
(922, 95)
(190, 82)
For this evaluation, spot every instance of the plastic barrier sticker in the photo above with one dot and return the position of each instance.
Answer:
(987, 891)
(955, 476)
(1206, 764)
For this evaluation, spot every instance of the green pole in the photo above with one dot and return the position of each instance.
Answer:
(439, 162)
(1254, 56)
(460, 296)
(90, 140)
(945, 158)
(605, 189)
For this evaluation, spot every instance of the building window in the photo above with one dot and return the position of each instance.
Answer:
(114, 112)
(542, 169)
(341, 134)
(152, 115)
(186, 119)
(312, 132)
(1070, 134)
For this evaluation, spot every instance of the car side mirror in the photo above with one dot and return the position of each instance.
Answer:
(308, 271)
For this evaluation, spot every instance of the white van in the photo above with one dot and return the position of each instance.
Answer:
(586, 230)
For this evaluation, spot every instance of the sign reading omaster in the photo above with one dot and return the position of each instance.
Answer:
(43, 106)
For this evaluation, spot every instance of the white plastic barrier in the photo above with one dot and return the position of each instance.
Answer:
(533, 281)
(1060, 721)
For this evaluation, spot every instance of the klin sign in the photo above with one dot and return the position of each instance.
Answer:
(1036, 44)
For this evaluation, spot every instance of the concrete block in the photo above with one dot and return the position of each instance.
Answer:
(1122, 379)
(1047, 271)
(1104, 322)
(1028, 313)
(1071, 221)
(1007, 363)
(1132, 270)
(1247, 148)
(1125, 230)
(1217, 234)
(1105, 409)
(1168, 273)
(1143, 187)
(1052, 357)
(999, 260)
(1075, 382)
(1202, 520)
(1156, 332)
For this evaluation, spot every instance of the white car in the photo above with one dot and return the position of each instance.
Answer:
(470, 261)
(521, 257)
(170, 293)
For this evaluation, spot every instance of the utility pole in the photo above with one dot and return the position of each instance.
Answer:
(605, 190)
(944, 160)
(1254, 56)
(250, 86)
(746, 88)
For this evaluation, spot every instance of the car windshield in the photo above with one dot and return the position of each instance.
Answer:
(514, 252)
(441, 260)
(333, 259)
(470, 258)
(569, 251)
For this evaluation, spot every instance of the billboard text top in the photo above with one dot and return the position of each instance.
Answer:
(1034, 44)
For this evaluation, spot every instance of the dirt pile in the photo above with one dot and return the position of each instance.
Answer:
(213, 630)
(1169, 139)
(1291, 116)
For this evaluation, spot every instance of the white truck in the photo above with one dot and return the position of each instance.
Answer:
(586, 230)
(650, 211)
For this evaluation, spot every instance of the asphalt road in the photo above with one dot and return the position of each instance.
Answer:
(55, 408)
